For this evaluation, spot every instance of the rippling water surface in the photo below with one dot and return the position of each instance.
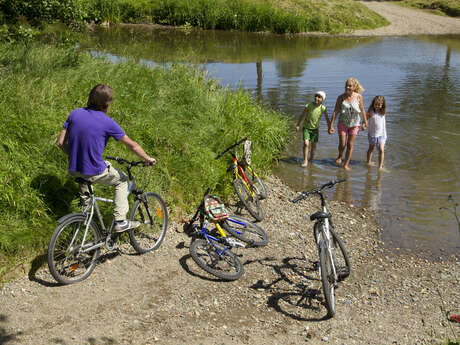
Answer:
(419, 77)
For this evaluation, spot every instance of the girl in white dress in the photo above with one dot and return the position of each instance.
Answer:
(377, 131)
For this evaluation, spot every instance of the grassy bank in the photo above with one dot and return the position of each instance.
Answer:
(446, 7)
(287, 16)
(178, 116)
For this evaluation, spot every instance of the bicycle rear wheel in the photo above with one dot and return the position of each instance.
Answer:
(327, 279)
(225, 265)
(256, 182)
(150, 210)
(245, 231)
(249, 199)
(66, 262)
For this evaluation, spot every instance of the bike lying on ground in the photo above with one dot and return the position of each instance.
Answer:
(212, 252)
(247, 184)
(333, 266)
(75, 244)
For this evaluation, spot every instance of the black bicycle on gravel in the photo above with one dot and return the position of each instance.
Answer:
(75, 244)
(334, 266)
(247, 184)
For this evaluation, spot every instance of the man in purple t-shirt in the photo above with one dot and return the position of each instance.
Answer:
(84, 137)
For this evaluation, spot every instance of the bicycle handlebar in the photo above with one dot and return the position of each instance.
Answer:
(329, 184)
(230, 147)
(124, 161)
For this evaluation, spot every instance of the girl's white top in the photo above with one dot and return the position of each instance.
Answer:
(377, 126)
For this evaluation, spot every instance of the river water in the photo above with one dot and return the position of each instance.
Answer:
(415, 195)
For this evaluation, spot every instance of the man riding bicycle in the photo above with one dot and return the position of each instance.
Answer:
(84, 137)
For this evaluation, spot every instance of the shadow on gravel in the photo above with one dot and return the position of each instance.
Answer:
(296, 275)
(36, 264)
(5, 337)
(41, 260)
(90, 341)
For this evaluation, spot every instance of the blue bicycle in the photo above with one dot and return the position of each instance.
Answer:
(211, 250)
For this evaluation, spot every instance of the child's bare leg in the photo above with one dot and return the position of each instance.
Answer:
(381, 155)
(341, 148)
(312, 151)
(350, 145)
(305, 153)
(369, 153)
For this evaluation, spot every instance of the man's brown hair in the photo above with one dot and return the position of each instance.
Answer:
(100, 97)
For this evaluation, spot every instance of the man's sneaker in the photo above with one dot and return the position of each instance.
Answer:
(125, 225)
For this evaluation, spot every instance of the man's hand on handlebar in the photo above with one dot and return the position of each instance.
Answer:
(150, 161)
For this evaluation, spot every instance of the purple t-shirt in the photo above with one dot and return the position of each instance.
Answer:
(88, 132)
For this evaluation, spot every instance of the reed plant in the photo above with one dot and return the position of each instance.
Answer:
(179, 115)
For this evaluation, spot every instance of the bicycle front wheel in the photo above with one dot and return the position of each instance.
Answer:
(249, 199)
(261, 190)
(225, 265)
(327, 279)
(245, 231)
(339, 253)
(341, 260)
(149, 210)
(67, 261)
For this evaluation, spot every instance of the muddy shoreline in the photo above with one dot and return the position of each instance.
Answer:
(165, 298)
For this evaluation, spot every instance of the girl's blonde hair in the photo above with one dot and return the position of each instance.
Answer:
(356, 85)
(379, 99)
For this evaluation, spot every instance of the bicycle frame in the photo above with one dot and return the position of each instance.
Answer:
(94, 208)
(211, 239)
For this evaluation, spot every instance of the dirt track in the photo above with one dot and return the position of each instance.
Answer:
(405, 21)
(165, 298)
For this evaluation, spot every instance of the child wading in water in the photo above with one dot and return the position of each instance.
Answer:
(377, 131)
(312, 114)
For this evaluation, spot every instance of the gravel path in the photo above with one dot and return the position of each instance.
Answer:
(165, 298)
(405, 21)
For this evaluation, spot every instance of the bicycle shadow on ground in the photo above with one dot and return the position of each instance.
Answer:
(43, 277)
(56, 195)
(5, 337)
(35, 266)
(299, 296)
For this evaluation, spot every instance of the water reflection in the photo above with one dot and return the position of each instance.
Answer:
(419, 77)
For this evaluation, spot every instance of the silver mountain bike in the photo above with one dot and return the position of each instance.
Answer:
(334, 264)
(75, 244)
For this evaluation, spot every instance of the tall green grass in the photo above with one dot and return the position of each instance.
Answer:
(290, 16)
(179, 115)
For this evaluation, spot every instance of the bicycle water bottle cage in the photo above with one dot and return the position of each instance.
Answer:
(214, 209)
(320, 215)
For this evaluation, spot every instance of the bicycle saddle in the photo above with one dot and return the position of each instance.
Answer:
(320, 215)
(82, 180)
